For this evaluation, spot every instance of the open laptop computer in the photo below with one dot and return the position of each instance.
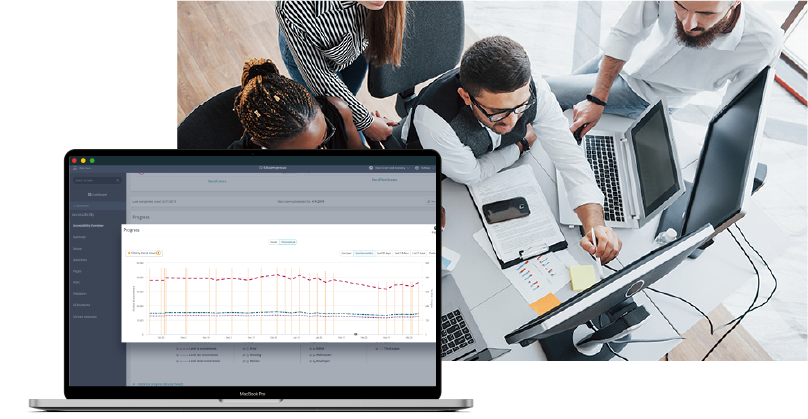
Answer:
(637, 170)
(460, 337)
(251, 280)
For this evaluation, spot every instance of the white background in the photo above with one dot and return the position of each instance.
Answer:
(81, 74)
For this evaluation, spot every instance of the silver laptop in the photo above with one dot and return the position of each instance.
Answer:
(637, 170)
(460, 337)
(251, 280)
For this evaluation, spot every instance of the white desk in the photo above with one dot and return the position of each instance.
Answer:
(498, 308)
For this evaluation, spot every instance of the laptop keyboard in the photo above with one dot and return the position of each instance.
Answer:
(600, 153)
(454, 333)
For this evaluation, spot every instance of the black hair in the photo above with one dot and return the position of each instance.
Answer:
(497, 64)
(272, 108)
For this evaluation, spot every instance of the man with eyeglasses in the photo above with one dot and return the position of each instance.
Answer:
(484, 115)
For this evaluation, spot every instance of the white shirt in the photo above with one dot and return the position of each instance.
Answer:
(661, 66)
(551, 128)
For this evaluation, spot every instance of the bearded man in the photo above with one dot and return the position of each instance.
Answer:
(672, 50)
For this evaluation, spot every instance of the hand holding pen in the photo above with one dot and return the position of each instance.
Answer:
(598, 268)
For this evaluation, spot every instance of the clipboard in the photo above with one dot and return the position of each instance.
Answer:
(529, 253)
(524, 175)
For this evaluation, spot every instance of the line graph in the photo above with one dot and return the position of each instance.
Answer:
(229, 286)
(256, 301)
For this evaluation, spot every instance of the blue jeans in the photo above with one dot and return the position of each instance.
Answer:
(573, 88)
(352, 76)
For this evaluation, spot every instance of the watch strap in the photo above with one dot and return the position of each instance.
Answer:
(595, 100)
(525, 145)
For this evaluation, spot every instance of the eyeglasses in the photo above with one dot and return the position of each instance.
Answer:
(499, 116)
(329, 132)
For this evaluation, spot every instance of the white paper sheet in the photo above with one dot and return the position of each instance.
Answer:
(529, 234)
(449, 258)
(536, 277)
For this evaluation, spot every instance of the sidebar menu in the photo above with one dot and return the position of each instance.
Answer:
(96, 210)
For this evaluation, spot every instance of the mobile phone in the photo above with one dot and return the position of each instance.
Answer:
(509, 209)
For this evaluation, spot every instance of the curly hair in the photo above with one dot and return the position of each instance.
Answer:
(272, 108)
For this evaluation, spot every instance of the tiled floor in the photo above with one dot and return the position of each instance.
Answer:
(546, 30)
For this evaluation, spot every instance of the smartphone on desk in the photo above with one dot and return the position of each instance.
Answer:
(509, 209)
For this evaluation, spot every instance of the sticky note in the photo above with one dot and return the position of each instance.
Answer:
(544, 304)
(583, 277)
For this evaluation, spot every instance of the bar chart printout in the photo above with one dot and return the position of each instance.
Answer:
(187, 288)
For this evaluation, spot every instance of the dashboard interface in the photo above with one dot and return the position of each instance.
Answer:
(265, 271)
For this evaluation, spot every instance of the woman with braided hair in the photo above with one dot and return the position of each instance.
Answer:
(277, 112)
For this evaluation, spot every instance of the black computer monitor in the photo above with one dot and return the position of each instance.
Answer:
(727, 164)
(610, 292)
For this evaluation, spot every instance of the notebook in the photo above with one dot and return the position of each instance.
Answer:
(251, 280)
(637, 170)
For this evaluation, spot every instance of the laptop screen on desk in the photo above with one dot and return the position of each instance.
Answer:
(655, 157)
(235, 270)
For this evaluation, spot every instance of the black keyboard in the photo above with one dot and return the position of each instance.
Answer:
(454, 333)
(600, 153)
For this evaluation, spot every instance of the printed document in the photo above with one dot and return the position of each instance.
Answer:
(531, 235)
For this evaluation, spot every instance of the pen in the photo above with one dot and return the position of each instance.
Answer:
(598, 269)
(533, 251)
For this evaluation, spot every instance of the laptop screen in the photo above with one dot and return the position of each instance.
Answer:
(655, 157)
(281, 270)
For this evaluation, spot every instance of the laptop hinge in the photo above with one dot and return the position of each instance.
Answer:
(634, 212)
(250, 401)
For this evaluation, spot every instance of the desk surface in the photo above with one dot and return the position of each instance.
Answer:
(498, 308)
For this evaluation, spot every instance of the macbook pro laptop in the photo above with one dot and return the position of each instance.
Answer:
(251, 280)
(637, 170)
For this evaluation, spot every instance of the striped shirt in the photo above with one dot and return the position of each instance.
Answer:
(326, 37)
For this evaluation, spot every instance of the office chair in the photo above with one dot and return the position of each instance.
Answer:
(211, 125)
(432, 45)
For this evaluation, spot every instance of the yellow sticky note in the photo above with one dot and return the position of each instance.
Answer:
(544, 304)
(583, 277)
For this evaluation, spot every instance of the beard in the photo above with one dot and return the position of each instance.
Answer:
(706, 37)
(501, 128)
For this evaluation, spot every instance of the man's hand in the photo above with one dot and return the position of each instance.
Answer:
(380, 128)
(586, 114)
(609, 244)
(442, 218)
(530, 136)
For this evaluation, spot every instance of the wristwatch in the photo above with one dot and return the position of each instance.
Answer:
(525, 145)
